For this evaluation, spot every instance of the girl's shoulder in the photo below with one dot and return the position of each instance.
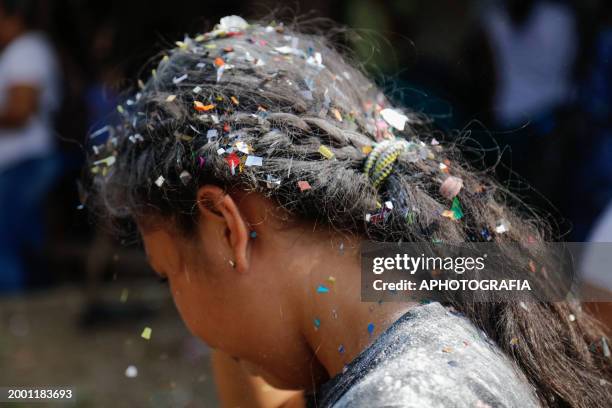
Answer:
(429, 357)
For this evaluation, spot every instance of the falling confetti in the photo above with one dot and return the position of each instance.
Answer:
(370, 328)
(146, 333)
(131, 371)
(160, 181)
(253, 234)
(317, 323)
(341, 349)
(124, 295)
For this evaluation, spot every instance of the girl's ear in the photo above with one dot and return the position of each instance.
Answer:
(215, 205)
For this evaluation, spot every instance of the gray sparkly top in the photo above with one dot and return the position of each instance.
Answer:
(429, 357)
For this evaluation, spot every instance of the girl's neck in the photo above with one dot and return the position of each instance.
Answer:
(335, 323)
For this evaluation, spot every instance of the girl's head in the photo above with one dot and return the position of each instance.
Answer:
(254, 154)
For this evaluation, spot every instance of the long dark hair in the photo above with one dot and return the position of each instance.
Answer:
(294, 101)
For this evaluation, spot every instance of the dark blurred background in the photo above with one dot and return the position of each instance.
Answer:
(526, 82)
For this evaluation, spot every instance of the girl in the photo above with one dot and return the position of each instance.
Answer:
(254, 161)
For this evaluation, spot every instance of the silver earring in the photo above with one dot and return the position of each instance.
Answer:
(232, 263)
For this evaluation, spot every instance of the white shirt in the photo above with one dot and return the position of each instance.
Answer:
(534, 61)
(29, 59)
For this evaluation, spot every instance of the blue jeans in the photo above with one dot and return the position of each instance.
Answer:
(23, 188)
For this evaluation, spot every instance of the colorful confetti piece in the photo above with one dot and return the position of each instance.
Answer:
(146, 333)
(501, 226)
(456, 209)
(200, 107)
(605, 347)
(322, 289)
(232, 160)
(451, 187)
(304, 185)
(394, 118)
(337, 114)
(326, 152)
(131, 372)
(253, 161)
(124, 295)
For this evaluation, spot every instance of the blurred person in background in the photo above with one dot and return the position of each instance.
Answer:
(29, 96)
(534, 47)
(591, 197)
(521, 63)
